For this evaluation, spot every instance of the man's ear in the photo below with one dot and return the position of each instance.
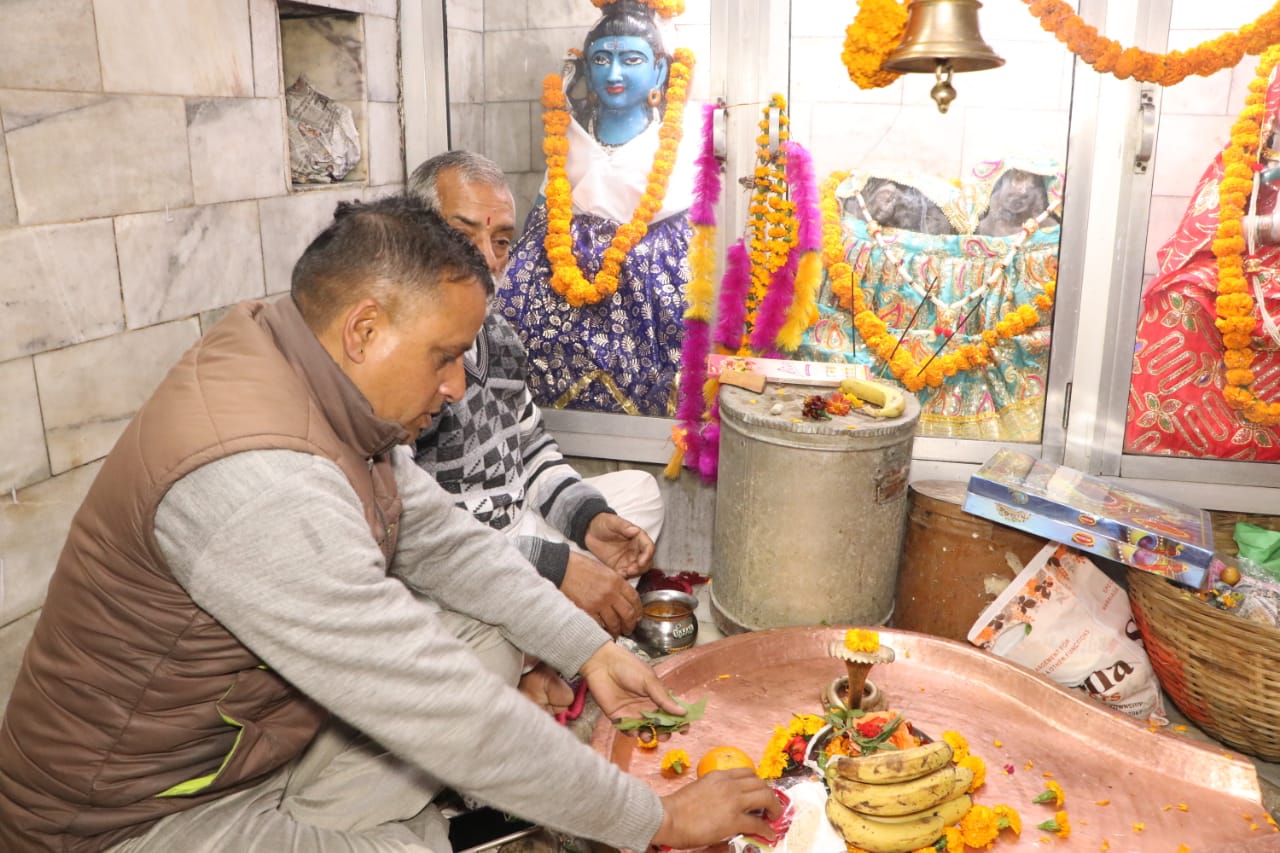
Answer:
(661, 67)
(360, 326)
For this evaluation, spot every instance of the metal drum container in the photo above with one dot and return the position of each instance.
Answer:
(810, 514)
(953, 563)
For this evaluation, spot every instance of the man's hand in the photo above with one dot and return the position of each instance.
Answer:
(601, 593)
(620, 545)
(716, 807)
(546, 689)
(618, 679)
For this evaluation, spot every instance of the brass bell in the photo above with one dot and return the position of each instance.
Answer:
(941, 37)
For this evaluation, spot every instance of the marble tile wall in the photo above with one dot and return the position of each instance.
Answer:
(143, 191)
(1196, 114)
(89, 392)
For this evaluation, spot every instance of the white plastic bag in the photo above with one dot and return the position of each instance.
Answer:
(1067, 620)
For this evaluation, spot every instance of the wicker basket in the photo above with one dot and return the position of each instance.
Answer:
(1224, 528)
(1223, 672)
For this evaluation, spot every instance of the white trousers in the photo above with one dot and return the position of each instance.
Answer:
(634, 495)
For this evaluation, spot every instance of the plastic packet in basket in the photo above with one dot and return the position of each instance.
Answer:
(1064, 618)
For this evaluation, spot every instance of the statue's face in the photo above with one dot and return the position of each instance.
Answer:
(622, 70)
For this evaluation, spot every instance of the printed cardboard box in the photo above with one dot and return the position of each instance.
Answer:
(1064, 505)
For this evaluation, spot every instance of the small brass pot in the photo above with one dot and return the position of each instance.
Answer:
(668, 623)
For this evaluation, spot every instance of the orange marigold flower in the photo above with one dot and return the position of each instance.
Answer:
(980, 826)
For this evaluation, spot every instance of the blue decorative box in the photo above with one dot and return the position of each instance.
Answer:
(1159, 536)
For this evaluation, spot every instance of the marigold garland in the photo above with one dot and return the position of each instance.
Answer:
(876, 30)
(770, 227)
(875, 332)
(833, 259)
(1234, 305)
(566, 277)
(1166, 69)
(664, 8)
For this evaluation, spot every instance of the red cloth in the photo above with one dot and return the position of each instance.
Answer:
(1176, 405)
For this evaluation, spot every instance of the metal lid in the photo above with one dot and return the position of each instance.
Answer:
(777, 412)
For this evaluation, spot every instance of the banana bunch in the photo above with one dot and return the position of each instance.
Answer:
(886, 400)
(897, 801)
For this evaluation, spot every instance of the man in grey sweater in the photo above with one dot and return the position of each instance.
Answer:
(260, 553)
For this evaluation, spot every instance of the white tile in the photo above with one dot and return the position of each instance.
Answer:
(33, 531)
(329, 50)
(810, 20)
(31, 28)
(24, 460)
(1000, 21)
(238, 148)
(1166, 216)
(264, 26)
(1184, 148)
(1241, 76)
(1220, 14)
(697, 13)
(1010, 133)
(382, 50)
(89, 392)
(507, 137)
(887, 138)
(524, 189)
(466, 127)
(186, 261)
(506, 15)
(386, 145)
(289, 223)
(515, 63)
(59, 287)
(13, 642)
(79, 156)
(818, 74)
(181, 47)
(563, 13)
(537, 131)
(8, 209)
(465, 14)
(1198, 95)
(467, 70)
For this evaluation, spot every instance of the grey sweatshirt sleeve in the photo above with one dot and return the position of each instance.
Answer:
(274, 545)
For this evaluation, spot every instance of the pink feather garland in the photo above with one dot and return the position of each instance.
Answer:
(732, 314)
(697, 336)
(706, 190)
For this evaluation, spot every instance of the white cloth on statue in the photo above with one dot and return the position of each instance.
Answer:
(608, 181)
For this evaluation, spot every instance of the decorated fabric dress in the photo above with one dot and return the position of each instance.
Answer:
(1005, 399)
(1176, 402)
(621, 354)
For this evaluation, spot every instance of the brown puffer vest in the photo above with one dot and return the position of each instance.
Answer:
(132, 703)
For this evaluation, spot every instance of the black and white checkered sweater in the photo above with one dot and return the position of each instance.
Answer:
(491, 449)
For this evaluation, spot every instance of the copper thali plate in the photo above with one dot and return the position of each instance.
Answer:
(1116, 773)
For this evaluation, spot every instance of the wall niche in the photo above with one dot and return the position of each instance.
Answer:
(326, 94)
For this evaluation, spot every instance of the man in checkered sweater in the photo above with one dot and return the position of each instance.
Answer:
(492, 450)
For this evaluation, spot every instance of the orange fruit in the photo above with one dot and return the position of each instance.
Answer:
(723, 758)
